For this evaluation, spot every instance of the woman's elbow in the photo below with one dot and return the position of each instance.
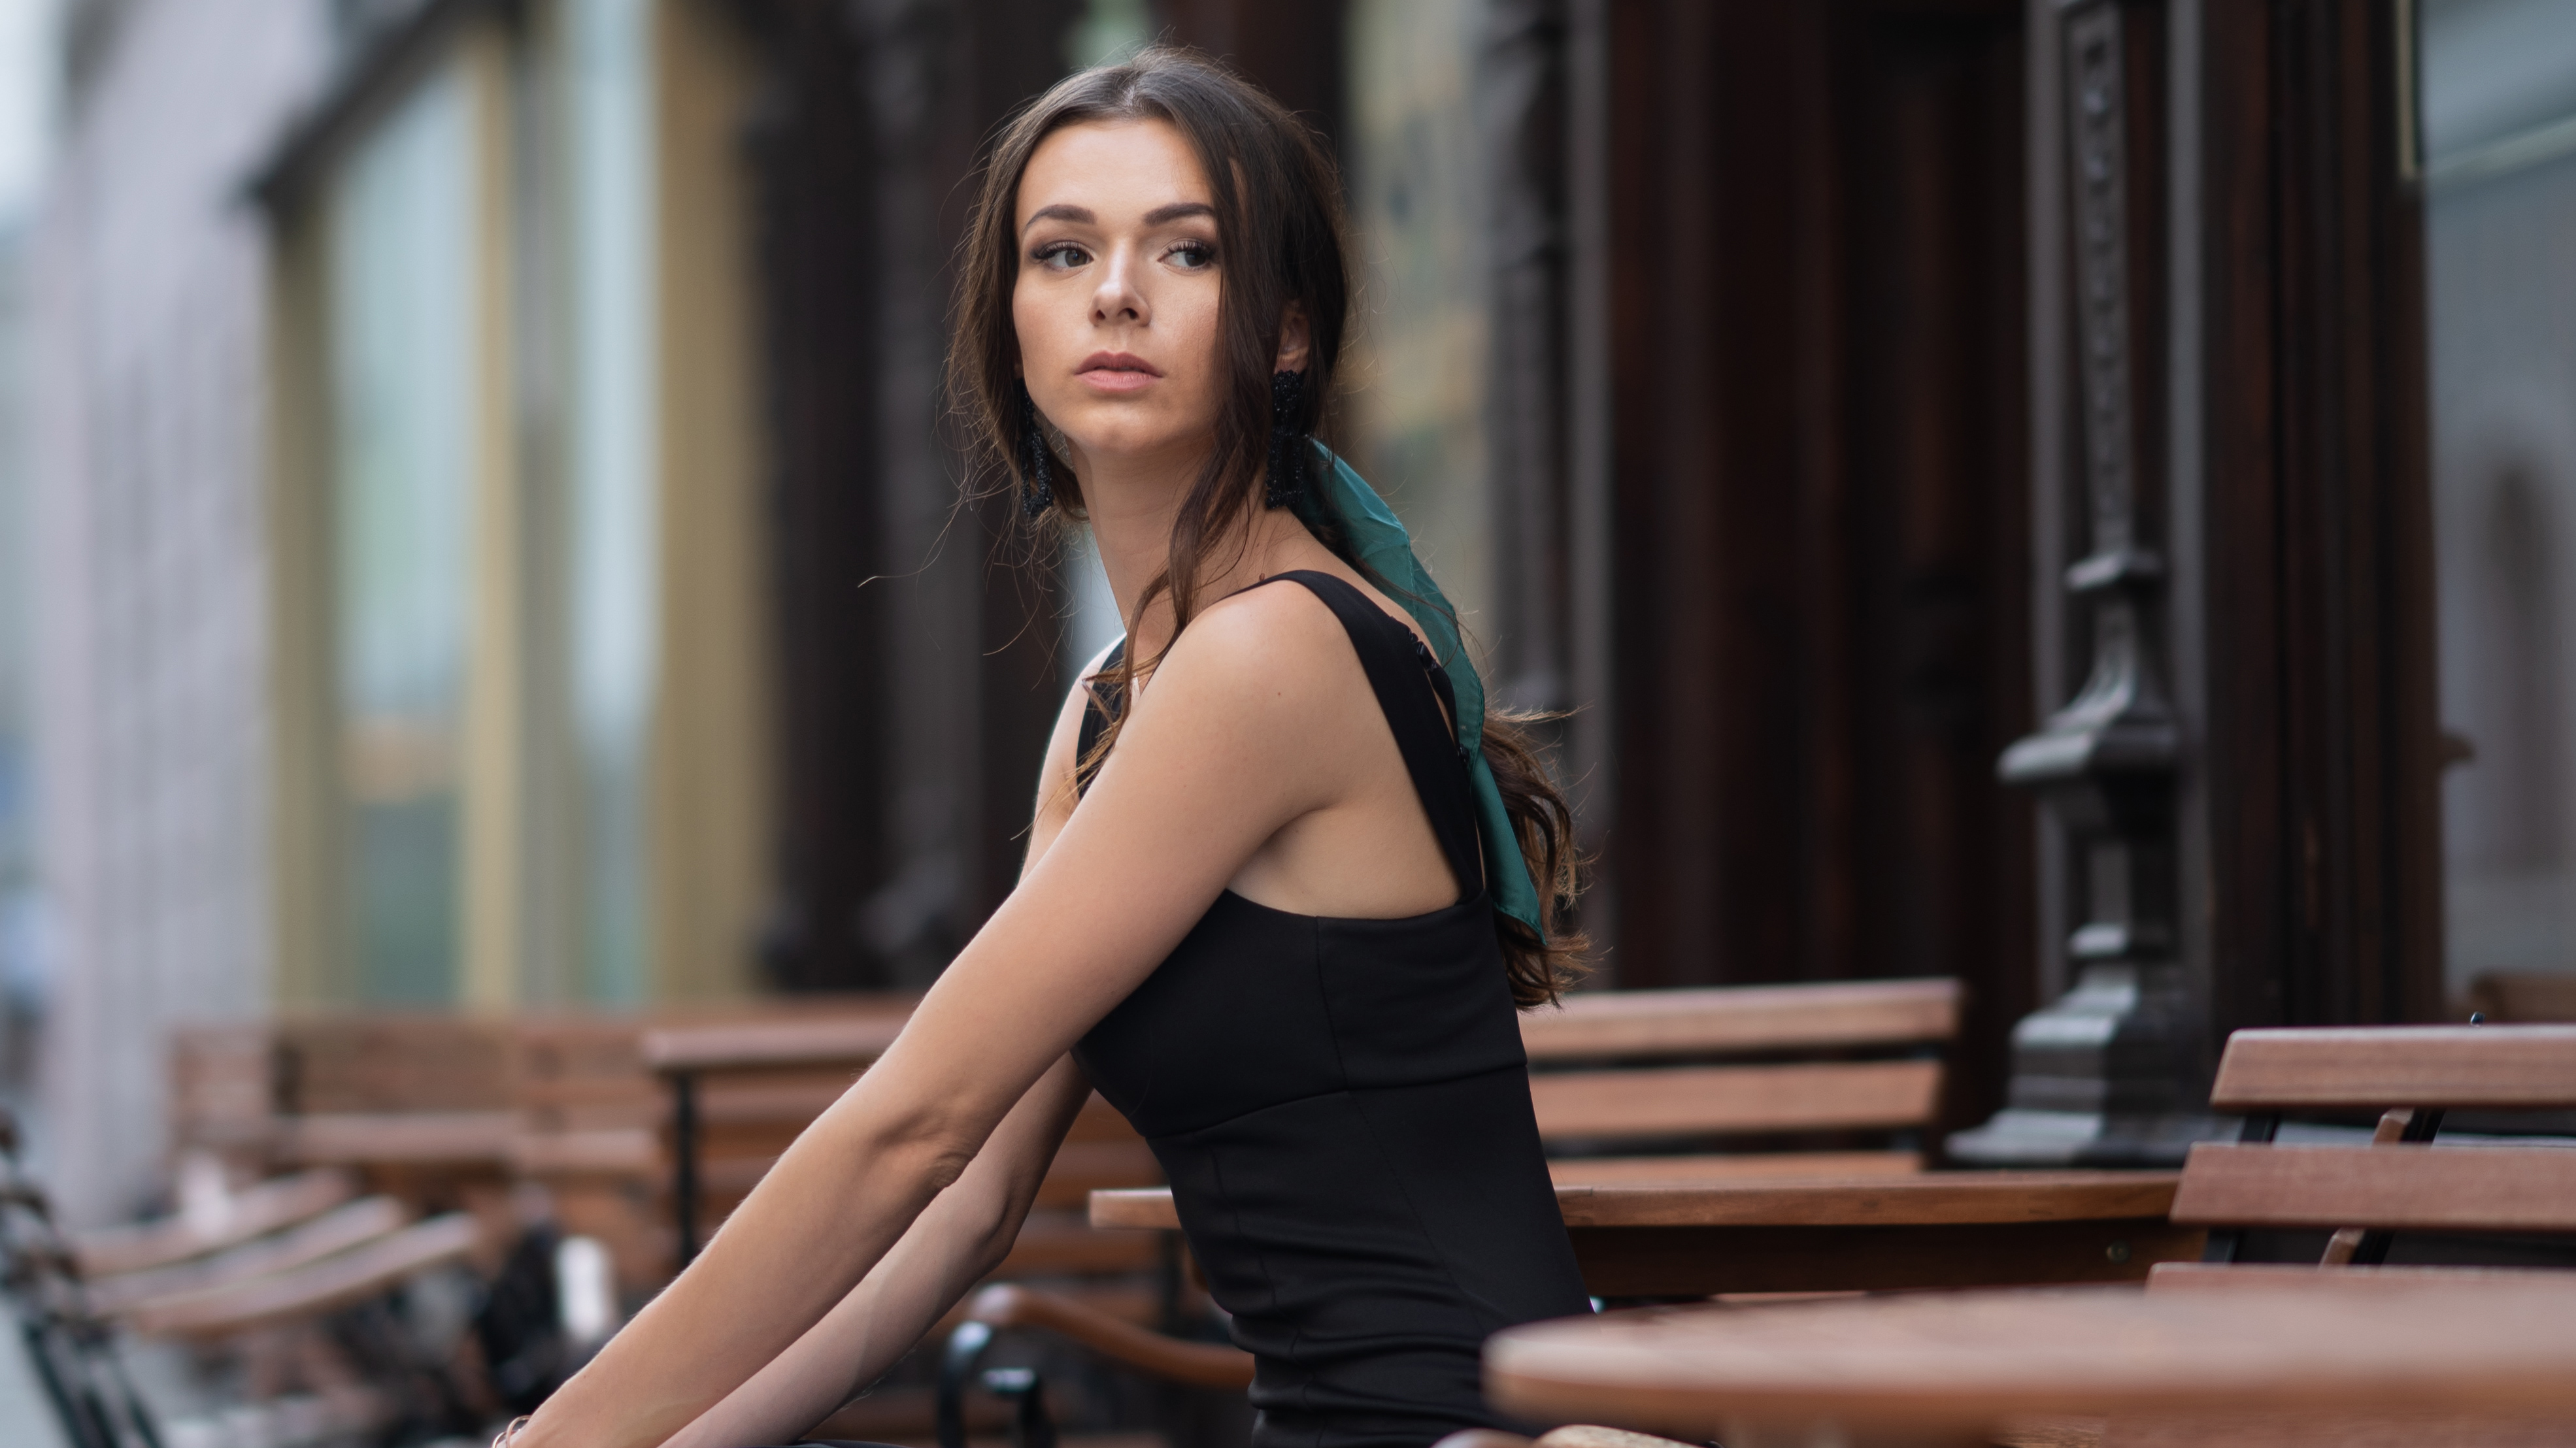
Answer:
(936, 1138)
(998, 1208)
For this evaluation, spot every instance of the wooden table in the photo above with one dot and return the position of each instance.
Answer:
(1954, 1368)
(1939, 1229)
(683, 1055)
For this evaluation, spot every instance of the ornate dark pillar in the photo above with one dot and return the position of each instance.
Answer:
(2110, 1073)
(1520, 98)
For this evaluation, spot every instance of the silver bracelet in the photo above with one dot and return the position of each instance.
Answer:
(502, 1439)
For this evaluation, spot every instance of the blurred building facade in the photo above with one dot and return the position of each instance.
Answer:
(21, 967)
(499, 544)
(149, 553)
(516, 520)
(2500, 219)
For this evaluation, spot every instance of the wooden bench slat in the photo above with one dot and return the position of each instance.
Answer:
(2531, 1067)
(2399, 1188)
(856, 1037)
(1935, 1199)
(2222, 1276)
(1713, 1100)
(1742, 1018)
(1578, 1171)
(254, 1211)
(336, 1230)
(744, 1103)
(395, 1063)
(1932, 1199)
(399, 1136)
(334, 1282)
(625, 1151)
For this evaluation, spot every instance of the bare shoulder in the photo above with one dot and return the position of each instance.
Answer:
(1276, 644)
(1268, 669)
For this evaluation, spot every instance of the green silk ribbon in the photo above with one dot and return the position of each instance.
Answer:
(1377, 536)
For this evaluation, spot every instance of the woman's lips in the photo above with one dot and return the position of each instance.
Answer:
(1117, 371)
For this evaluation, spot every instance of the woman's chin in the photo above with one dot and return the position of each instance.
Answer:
(1125, 455)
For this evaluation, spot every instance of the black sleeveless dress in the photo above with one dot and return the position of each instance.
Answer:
(1343, 1109)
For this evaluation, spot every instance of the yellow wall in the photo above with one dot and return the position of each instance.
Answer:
(310, 967)
(497, 766)
(710, 779)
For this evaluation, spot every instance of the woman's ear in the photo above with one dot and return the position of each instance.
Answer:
(1294, 336)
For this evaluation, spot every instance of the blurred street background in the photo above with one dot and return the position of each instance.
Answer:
(2078, 499)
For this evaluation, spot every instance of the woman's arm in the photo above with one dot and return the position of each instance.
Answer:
(962, 1235)
(956, 1242)
(1246, 726)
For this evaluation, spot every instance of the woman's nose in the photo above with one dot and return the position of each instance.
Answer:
(1120, 298)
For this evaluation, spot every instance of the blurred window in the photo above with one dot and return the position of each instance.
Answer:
(613, 539)
(402, 293)
(2499, 167)
(491, 361)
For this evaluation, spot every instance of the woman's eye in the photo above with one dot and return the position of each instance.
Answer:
(1062, 255)
(1192, 255)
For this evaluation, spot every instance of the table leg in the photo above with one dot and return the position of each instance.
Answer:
(684, 1166)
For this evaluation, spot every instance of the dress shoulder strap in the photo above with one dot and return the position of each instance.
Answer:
(1412, 689)
(1414, 692)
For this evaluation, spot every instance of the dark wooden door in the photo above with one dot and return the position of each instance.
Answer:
(915, 663)
(1820, 510)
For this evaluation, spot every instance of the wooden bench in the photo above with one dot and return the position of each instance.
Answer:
(396, 1094)
(263, 1268)
(2363, 1194)
(1639, 1086)
(2402, 1180)
(589, 1130)
(218, 1219)
(446, 1111)
(417, 1105)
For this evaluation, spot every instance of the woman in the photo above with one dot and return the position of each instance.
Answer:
(1269, 932)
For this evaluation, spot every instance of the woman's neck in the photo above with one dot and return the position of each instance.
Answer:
(1131, 526)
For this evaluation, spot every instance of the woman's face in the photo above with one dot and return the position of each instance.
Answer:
(1116, 302)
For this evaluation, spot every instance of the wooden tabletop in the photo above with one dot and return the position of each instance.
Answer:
(855, 1038)
(1953, 1367)
(1931, 1199)
(1853, 1233)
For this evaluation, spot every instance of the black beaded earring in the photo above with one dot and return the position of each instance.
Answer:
(1287, 440)
(1040, 493)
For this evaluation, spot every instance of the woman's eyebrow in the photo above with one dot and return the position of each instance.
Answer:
(1079, 216)
(1178, 209)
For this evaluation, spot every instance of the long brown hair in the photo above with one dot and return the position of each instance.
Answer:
(1279, 237)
